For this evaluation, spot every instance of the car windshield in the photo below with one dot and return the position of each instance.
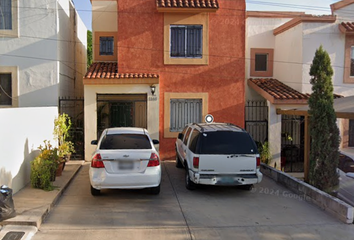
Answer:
(125, 141)
(225, 142)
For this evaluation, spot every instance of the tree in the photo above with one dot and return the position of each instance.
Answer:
(89, 48)
(324, 153)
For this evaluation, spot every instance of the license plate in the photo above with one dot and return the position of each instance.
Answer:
(126, 165)
(227, 180)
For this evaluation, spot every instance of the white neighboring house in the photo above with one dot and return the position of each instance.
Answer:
(42, 58)
(42, 52)
(280, 47)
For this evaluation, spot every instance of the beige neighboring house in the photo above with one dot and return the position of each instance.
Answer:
(280, 47)
(42, 58)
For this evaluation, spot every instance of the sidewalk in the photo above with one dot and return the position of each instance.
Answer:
(32, 205)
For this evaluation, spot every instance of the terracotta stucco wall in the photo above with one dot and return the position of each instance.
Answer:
(140, 49)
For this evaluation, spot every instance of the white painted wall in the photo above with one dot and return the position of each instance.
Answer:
(288, 57)
(333, 41)
(43, 52)
(259, 34)
(90, 97)
(22, 131)
(345, 14)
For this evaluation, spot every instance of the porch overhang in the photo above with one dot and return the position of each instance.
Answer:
(343, 107)
(277, 92)
(106, 73)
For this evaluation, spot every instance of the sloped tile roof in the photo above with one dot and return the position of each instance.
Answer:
(347, 26)
(109, 70)
(278, 90)
(211, 4)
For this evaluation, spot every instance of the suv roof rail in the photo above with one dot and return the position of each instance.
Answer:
(231, 124)
(201, 128)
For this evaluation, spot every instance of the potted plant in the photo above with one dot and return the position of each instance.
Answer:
(44, 166)
(62, 125)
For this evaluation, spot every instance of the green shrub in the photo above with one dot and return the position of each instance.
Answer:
(44, 166)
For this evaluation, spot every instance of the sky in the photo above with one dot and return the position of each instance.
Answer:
(318, 7)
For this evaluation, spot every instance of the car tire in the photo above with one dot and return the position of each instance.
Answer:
(247, 187)
(95, 192)
(178, 162)
(155, 190)
(189, 184)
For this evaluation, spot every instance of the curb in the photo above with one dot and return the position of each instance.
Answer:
(336, 207)
(33, 205)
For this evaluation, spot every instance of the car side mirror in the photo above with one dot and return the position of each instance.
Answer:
(94, 142)
(154, 141)
(180, 136)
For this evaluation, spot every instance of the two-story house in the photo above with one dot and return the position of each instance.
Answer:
(42, 59)
(162, 64)
(280, 47)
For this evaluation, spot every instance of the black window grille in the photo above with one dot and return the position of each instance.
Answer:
(5, 89)
(186, 41)
(106, 46)
(184, 111)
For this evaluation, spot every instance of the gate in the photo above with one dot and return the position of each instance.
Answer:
(292, 143)
(74, 107)
(256, 120)
(121, 110)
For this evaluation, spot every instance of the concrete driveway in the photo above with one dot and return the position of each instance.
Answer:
(269, 211)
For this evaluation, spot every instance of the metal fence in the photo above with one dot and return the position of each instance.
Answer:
(74, 107)
(293, 143)
(256, 120)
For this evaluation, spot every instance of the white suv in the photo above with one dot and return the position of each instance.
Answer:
(217, 154)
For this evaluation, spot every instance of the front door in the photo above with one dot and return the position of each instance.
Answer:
(122, 114)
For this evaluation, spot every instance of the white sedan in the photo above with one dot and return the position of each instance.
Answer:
(125, 158)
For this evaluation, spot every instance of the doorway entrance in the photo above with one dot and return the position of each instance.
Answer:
(121, 110)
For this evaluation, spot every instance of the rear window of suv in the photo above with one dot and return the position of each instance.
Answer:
(125, 141)
(226, 142)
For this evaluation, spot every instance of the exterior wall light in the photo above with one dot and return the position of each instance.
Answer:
(153, 89)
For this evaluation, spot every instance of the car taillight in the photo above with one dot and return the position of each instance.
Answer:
(258, 162)
(196, 162)
(97, 161)
(154, 160)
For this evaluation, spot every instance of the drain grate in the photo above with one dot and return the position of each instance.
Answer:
(13, 236)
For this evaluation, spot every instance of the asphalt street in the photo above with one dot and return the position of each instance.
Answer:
(269, 211)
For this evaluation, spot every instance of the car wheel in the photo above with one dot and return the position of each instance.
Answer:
(95, 192)
(247, 187)
(155, 190)
(178, 162)
(189, 184)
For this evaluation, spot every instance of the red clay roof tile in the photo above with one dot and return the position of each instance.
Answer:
(212, 4)
(278, 90)
(109, 70)
(348, 26)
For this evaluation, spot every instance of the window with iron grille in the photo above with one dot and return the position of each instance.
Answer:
(5, 89)
(186, 41)
(184, 111)
(106, 46)
(6, 14)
